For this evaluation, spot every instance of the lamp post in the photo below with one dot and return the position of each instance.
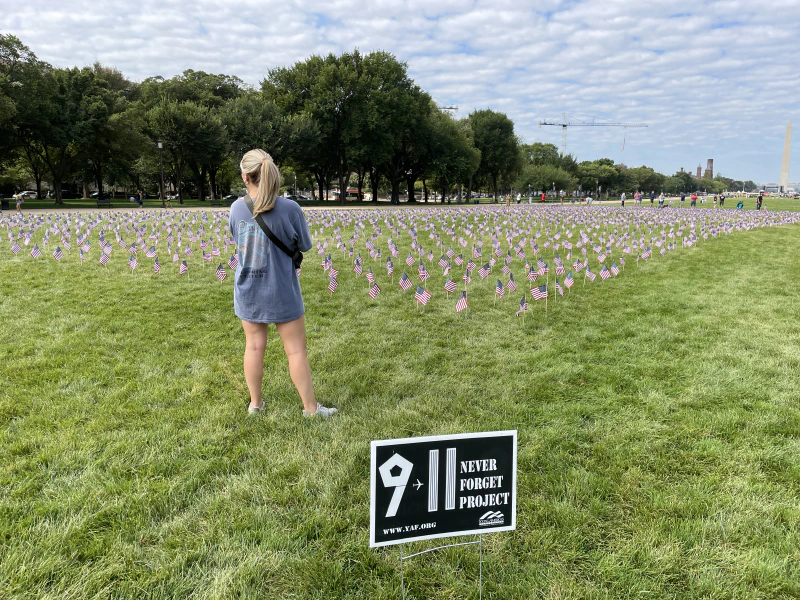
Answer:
(161, 157)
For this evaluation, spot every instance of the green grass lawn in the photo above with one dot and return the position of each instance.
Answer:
(658, 418)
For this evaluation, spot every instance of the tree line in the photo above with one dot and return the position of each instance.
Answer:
(352, 120)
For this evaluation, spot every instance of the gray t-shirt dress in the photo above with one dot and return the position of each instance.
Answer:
(266, 287)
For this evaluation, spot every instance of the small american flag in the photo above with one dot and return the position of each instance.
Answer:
(233, 261)
(569, 281)
(450, 286)
(103, 258)
(175, 257)
(605, 273)
(499, 290)
(16, 248)
(462, 302)
(589, 273)
(156, 266)
(614, 269)
(374, 291)
(81, 255)
(484, 271)
(601, 257)
(57, 254)
(423, 272)
(539, 293)
(404, 282)
(410, 260)
(543, 270)
(333, 272)
(466, 277)
(459, 260)
(442, 262)
(523, 306)
(332, 285)
(511, 285)
(389, 267)
(370, 276)
(35, 252)
(422, 295)
(559, 289)
(298, 270)
(133, 263)
(532, 275)
(151, 252)
(476, 252)
(357, 267)
(183, 268)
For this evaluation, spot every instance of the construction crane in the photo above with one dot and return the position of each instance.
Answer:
(578, 123)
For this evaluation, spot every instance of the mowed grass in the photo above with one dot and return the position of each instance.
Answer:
(658, 418)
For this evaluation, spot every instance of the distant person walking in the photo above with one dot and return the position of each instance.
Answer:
(622, 199)
(683, 198)
(652, 197)
(543, 196)
(19, 203)
(759, 201)
(266, 287)
(721, 200)
(694, 201)
(661, 200)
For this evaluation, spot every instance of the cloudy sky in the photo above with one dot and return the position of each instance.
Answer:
(712, 79)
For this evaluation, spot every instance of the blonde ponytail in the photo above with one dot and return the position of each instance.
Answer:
(258, 166)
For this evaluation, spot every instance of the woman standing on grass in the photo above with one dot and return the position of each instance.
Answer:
(266, 287)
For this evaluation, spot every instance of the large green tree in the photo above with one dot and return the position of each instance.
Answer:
(494, 136)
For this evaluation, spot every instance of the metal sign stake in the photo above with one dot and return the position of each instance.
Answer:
(404, 558)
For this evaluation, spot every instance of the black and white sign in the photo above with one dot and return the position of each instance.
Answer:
(440, 486)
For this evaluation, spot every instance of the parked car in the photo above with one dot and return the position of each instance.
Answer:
(230, 197)
(26, 195)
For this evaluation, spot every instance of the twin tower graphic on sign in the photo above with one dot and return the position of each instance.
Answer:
(442, 486)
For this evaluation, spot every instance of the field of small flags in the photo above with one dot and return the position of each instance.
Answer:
(647, 358)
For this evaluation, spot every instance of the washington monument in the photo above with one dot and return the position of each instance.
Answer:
(787, 146)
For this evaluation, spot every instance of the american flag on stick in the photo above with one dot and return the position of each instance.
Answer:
(332, 285)
(559, 289)
(103, 258)
(422, 296)
(511, 285)
(499, 290)
(614, 269)
(156, 266)
(133, 263)
(35, 252)
(374, 291)
(449, 286)
(184, 268)
(16, 248)
(462, 302)
(57, 254)
(605, 273)
(404, 282)
(523, 306)
(569, 281)
(484, 271)
(370, 276)
(539, 292)
(221, 273)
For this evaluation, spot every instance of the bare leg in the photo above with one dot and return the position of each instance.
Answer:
(256, 342)
(293, 335)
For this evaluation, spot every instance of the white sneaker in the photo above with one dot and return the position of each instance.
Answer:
(321, 412)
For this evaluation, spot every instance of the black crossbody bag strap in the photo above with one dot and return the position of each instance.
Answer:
(260, 220)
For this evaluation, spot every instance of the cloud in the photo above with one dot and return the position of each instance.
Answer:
(714, 79)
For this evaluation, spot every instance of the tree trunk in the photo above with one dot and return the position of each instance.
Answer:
(212, 175)
(410, 181)
(201, 183)
(396, 191)
(425, 190)
(458, 194)
(362, 173)
(85, 188)
(98, 175)
(320, 185)
(494, 185)
(444, 185)
(373, 181)
(469, 189)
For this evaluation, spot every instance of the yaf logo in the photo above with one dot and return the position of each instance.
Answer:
(397, 481)
(493, 517)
